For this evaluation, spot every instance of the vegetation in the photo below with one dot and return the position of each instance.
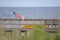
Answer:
(37, 33)
(50, 36)
(58, 35)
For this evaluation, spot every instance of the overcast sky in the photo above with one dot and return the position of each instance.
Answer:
(30, 8)
(29, 3)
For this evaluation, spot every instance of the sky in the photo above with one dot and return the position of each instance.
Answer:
(29, 3)
(30, 8)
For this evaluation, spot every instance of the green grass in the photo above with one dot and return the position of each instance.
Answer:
(37, 33)
(15, 35)
(50, 36)
(58, 35)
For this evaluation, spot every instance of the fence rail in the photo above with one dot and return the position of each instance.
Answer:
(11, 30)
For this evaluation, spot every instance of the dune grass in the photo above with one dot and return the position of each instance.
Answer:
(58, 35)
(36, 33)
(50, 36)
(7, 36)
(39, 32)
